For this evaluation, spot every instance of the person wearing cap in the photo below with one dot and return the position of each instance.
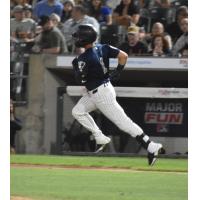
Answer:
(22, 28)
(47, 7)
(134, 46)
(51, 40)
(56, 20)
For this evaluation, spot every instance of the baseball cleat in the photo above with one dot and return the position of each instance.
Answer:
(152, 157)
(101, 142)
(100, 147)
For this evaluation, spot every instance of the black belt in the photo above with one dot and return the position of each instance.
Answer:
(96, 90)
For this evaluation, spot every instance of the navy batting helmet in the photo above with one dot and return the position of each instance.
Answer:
(85, 34)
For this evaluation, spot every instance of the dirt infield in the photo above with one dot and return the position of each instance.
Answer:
(94, 168)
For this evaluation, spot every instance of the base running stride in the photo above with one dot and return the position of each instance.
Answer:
(92, 70)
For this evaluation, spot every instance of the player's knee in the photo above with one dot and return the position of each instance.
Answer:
(76, 112)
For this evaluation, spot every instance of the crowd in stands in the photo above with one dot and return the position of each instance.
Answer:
(139, 27)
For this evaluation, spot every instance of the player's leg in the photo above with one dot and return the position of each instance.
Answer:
(81, 113)
(108, 105)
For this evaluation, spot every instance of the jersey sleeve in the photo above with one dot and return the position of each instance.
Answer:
(112, 51)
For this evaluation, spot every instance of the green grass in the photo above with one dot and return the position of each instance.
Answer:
(75, 184)
(116, 162)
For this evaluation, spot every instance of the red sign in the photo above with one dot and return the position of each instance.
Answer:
(163, 118)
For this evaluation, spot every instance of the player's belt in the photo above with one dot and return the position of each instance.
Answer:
(96, 90)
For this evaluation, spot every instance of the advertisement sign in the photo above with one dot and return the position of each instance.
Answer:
(158, 117)
(136, 63)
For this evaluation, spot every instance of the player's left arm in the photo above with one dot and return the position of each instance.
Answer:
(80, 71)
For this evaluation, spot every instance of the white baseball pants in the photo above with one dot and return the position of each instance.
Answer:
(104, 99)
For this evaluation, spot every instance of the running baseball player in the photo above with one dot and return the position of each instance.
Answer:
(92, 70)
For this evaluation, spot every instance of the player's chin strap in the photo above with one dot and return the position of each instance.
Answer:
(143, 140)
(116, 73)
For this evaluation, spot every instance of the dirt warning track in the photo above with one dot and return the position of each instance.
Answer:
(111, 169)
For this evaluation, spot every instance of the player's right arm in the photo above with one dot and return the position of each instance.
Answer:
(122, 58)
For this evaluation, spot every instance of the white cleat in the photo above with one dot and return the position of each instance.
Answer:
(101, 142)
(152, 156)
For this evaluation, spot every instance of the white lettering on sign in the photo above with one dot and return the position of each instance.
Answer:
(164, 107)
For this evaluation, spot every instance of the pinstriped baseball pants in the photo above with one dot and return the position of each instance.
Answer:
(105, 101)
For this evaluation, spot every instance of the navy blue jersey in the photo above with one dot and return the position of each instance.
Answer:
(93, 65)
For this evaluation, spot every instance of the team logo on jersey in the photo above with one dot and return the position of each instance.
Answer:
(81, 65)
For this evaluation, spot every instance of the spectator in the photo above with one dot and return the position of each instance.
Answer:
(100, 12)
(183, 39)
(184, 52)
(28, 11)
(83, 3)
(158, 29)
(56, 20)
(15, 125)
(14, 3)
(22, 28)
(19, 2)
(126, 13)
(67, 10)
(174, 28)
(79, 17)
(160, 46)
(47, 7)
(51, 39)
(134, 46)
(162, 3)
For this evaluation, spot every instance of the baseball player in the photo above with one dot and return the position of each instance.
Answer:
(92, 70)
